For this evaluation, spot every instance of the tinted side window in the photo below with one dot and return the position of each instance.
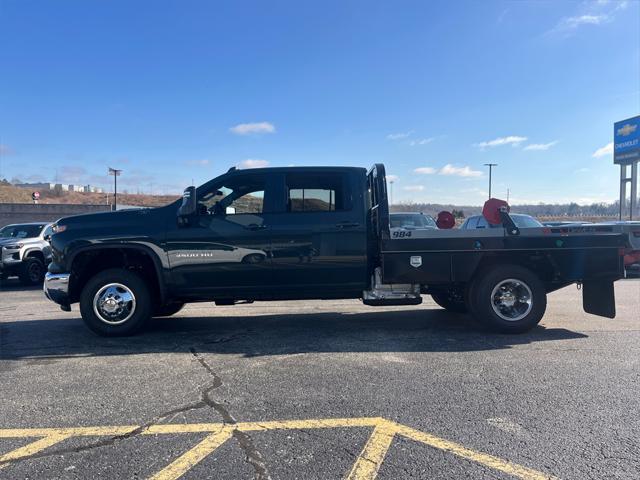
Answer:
(240, 194)
(316, 192)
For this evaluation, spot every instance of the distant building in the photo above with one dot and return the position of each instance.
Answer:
(60, 187)
(37, 186)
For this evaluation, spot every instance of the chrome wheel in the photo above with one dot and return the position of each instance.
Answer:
(512, 299)
(114, 303)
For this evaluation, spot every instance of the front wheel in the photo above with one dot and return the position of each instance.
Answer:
(32, 271)
(508, 299)
(115, 302)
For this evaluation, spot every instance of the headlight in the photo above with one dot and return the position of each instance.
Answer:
(15, 246)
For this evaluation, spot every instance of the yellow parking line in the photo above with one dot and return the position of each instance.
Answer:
(188, 460)
(482, 458)
(309, 424)
(373, 453)
(71, 432)
(32, 448)
(365, 468)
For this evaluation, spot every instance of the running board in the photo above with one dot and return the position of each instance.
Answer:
(382, 294)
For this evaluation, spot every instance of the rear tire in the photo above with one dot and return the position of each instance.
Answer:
(31, 271)
(451, 300)
(168, 310)
(115, 302)
(508, 299)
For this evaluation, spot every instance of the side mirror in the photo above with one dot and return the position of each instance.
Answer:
(188, 207)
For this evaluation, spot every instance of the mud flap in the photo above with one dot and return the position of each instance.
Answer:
(598, 298)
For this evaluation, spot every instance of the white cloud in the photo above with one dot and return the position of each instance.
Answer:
(541, 146)
(514, 140)
(594, 14)
(426, 170)
(466, 171)
(413, 188)
(399, 136)
(604, 151)
(575, 22)
(420, 141)
(253, 163)
(198, 163)
(253, 128)
(392, 178)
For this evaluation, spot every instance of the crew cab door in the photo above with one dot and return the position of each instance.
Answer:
(227, 246)
(319, 241)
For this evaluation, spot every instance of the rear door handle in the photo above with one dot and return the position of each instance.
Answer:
(255, 226)
(347, 225)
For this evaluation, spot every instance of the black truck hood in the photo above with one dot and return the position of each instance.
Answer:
(110, 218)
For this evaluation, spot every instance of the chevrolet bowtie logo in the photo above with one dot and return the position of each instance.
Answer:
(627, 129)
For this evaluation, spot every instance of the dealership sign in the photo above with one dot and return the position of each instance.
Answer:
(626, 141)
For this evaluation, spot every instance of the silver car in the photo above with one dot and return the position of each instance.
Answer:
(25, 251)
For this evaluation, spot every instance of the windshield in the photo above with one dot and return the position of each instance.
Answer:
(20, 231)
(525, 221)
(412, 220)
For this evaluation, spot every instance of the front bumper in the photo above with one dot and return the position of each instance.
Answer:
(56, 288)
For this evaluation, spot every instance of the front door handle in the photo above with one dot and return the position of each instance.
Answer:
(255, 226)
(347, 225)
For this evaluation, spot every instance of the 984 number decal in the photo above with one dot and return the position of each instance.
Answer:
(401, 234)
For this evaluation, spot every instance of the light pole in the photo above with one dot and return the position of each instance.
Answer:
(391, 192)
(116, 173)
(490, 165)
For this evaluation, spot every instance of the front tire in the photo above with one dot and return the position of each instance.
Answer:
(508, 299)
(31, 271)
(115, 302)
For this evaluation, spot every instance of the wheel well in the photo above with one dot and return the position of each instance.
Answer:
(35, 254)
(86, 264)
(538, 263)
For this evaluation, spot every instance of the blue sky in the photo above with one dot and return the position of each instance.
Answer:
(175, 91)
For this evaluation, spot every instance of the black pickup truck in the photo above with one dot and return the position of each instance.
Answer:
(316, 233)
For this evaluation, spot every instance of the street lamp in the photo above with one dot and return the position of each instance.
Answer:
(490, 165)
(116, 173)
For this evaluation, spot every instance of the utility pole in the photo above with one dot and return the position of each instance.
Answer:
(116, 173)
(391, 192)
(507, 195)
(490, 165)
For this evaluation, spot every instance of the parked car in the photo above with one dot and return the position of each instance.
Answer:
(411, 221)
(325, 234)
(564, 223)
(25, 251)
(521, 221)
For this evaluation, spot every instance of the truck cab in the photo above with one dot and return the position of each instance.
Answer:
(272, 233)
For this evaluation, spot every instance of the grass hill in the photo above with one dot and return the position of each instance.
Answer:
(11, 194)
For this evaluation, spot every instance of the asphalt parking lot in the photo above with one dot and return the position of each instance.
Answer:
(320, 390)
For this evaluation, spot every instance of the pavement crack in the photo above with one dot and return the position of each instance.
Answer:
(252, 455)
